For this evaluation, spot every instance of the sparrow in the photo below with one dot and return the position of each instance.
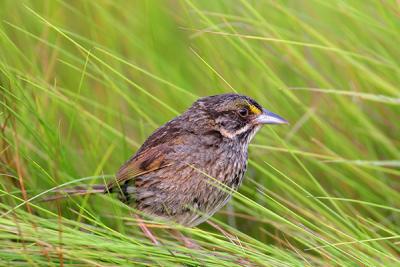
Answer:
(189, 168)
(183, 170)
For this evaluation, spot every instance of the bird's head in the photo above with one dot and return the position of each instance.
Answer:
(235, 116)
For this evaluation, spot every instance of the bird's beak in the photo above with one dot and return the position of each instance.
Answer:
(267, 117)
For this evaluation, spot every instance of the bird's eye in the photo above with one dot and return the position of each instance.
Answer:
(243, 112)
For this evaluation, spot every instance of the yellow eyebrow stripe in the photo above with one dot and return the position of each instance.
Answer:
(255, 110)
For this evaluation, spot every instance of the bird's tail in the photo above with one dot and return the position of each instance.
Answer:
(77, 191)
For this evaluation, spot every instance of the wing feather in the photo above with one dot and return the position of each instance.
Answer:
(149, 160)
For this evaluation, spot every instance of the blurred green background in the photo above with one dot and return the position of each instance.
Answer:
(83, 83)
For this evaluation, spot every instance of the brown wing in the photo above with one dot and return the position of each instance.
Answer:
(146, 161)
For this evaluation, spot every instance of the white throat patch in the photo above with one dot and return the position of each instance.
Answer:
(232, 135)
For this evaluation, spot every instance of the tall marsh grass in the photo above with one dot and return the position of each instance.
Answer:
(83, 83)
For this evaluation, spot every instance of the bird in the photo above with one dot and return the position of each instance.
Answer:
(180, 171)
(189, 168)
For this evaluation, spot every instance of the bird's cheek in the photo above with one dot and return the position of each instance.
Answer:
(226, 133)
